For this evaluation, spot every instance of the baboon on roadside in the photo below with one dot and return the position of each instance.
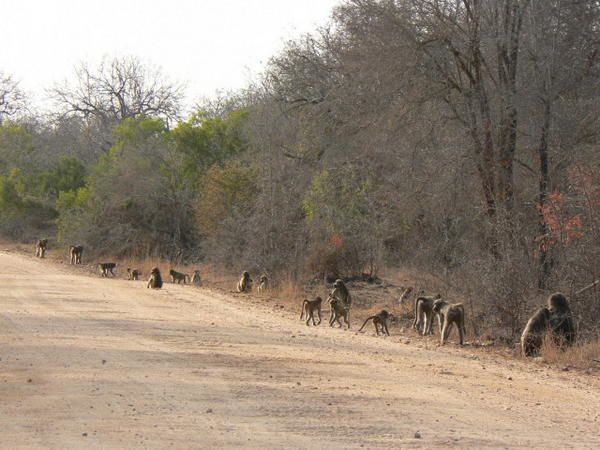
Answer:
(245, 283)
(338, 310)
(155, 281)
(309, 307)
(450, 314)
(379, 321)
(133, 274)
(196, 278)
(561, 320)
(40, 248)
(178, 276)
(535, 331)
(340, 291)
(105, 268)
(424, 314)
(75, 253)
(263, 285)
(405, 293)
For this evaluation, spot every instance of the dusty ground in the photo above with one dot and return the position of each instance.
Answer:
(94, 363)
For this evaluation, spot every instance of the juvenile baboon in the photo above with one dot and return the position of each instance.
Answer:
(75, 253)
(338, 310)
(263, 285)
(40, 248)
(196, 278)
(450, 314)
(424, 314)
(561, 320)
(245, 283)
(405, 293)
(155, 281)
(535, 331)
(178, 277)
(379, 321)
(105, 268)
(309, 307)
(133, 274)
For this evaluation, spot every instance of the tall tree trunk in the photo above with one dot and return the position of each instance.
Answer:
(544, 263)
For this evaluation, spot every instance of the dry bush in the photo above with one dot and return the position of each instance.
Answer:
(581, 355)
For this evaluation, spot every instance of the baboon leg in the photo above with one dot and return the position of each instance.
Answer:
(312, 315)
(461, 333)
(387, 331)
(376, 327)
(319, 313)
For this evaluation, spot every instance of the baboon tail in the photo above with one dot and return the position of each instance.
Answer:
(363, 325)
(303, 308)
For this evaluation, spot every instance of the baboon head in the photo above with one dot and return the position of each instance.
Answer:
(155, 271)
(245, 275)
(558, 303)
(438, 305)
(172, 272)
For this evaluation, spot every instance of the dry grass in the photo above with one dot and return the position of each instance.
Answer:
(582, 355)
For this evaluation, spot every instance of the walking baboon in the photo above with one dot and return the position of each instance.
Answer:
(338, 310)
(450, 314)
(40, 248)
(178, 276)
(309, 307)
(535, 331)
(155, 281)
(379, 321)
(133, 274)
(105, 268)
(263, 285)
(75, 253)
(196, 278)
(561, 320)
(424, 314)
(245, 283)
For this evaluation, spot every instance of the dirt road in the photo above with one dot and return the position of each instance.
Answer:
(95, 363)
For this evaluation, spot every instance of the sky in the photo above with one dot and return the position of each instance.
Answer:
(210, 45)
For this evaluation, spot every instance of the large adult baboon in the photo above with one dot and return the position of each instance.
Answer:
(450, 314)
(310, 307)
(245, 283)
(75, 253)
(40, 248)
(561, 320)
(178, 277)
(423, 322)
(105, 268)
(155, 281)
(340, 291)
(535, 331)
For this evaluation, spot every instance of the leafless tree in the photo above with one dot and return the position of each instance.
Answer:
(12, 98)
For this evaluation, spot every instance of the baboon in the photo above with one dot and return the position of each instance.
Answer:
(424, 314)
(536, 329)
(105, 268)
(340, 291)
(40, 248)
(379, 321)
(245, 283)
(405, 293)
(450, 314)
(196, 278)
(263, 285)
(178, 276)
(309, 307)
(338, 310)
(155, 281)
(133, 274)
(561, 320)
(75, 252)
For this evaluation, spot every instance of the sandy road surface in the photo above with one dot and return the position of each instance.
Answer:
(93, 363)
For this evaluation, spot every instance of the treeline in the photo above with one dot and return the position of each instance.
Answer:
(460, 138)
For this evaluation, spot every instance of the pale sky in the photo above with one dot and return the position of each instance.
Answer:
(209, 44)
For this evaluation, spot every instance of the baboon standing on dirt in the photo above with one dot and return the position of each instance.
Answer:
(75, 253)
(155, 280)
(105, 268)
(133, 274)
(424, 314)
(341, 293)
(178, 277)
(40, 248)
(196, 278)
(263, 285)
(450, 314)
(339, 310)
(245, 283)
(379, 321)
(310, 307)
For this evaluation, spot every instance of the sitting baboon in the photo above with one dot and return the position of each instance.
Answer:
(196, 278)
(178, 276)
(424, 314)
(263, 285)
(155, 281)
(40, 248)
(245, 283)
(309, 307)
(338, 310)
(379, 321)
(105, 268)
(450, 314)
(535, 331)
(133, 274)
(561, 320)
(75, 253)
